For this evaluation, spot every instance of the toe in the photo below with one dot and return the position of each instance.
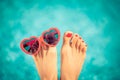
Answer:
(84, 48)
(44, 50)
(36, 57)
(83, 51)
(74, 40)
(51, 50)
(67, 37)
(78, 44)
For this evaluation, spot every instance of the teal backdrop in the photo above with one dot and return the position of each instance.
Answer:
(97, 21)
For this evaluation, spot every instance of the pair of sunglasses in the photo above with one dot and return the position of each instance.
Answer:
(32, 45)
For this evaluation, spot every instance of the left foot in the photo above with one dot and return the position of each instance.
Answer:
(46, 63)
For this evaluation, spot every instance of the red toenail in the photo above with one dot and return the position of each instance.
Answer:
(76, 35)
(80, 38)
(69, 35)
(82, 41)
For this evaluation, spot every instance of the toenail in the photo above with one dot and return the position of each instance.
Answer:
(82, 41)
(76, 35)
(68, 34)
(80, 38)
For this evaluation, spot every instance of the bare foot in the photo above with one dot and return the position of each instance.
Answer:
(46, 63)
(73, 53)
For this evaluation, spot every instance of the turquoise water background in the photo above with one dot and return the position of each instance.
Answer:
(97, 21)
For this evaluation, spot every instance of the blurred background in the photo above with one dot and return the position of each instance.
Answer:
(97, 21)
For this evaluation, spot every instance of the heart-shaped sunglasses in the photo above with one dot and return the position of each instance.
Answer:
(32, 45)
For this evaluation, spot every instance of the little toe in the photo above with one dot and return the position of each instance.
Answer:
(67, 37)
(84, 48)
(36, 57)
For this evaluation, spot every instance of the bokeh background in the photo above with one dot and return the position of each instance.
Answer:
(97, 21)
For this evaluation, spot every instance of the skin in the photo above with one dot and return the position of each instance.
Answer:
(73, 53)
(46, 63)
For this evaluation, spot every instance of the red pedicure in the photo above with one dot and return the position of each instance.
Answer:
(76, 35)
(69, 35)
(82, 41)
(80, 38)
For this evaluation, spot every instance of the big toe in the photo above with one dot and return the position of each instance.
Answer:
(67, 38)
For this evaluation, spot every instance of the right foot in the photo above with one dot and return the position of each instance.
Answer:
(73, 53)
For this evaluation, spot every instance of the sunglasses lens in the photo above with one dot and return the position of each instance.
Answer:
(51, 31)
(31, 46)
(51, 37)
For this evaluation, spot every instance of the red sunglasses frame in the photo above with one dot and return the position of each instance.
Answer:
(40, 41)
(21, 45)
(41, 38)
